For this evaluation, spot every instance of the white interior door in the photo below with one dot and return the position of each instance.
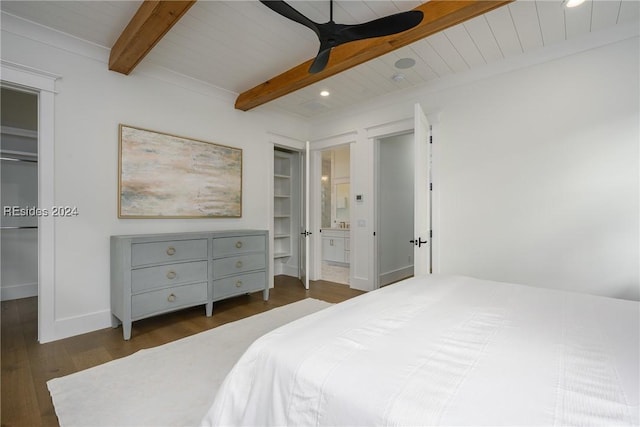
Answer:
(305, 233)
(422, 211)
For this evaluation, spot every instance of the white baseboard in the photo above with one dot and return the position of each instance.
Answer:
(395, 275)
(24, 290)
(288, 270)
(361, 284)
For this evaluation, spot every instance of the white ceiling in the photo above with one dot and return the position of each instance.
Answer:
(236, 45)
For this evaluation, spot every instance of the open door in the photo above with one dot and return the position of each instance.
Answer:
(305, 223)
(422, 211)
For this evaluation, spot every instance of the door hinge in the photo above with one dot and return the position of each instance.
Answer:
(431, 234)
(431, 186)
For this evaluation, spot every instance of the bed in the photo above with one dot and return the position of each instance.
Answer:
(443, 350)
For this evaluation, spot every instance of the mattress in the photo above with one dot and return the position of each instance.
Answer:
(443, 350)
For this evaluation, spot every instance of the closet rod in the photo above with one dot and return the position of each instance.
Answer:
(12, 159)
(18, 228)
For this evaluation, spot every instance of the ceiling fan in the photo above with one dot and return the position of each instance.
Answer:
(331, 34)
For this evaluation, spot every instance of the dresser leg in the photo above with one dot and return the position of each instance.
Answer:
(209, 309)
(265, 294)
(126, 330)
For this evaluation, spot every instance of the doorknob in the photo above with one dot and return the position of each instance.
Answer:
(419, 242)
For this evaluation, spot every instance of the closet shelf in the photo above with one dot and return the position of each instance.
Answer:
(283, 216)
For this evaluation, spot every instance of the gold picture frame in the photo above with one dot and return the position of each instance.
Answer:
(167, 176)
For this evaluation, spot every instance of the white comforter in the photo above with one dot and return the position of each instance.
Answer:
(443, 351)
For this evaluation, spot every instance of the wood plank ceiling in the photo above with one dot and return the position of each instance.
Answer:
(154, 18)
(147, 27)
(438, 16)
(237, 45)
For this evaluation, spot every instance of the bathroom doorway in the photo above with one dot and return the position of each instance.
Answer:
(335, 227)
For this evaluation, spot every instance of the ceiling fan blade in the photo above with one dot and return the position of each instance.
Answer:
(385, 26)
(331, 34)
(321, 60)
(282, 8)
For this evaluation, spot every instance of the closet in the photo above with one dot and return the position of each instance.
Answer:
(287, 212)
(19, 194)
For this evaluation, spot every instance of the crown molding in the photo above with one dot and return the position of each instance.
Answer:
(58, 40)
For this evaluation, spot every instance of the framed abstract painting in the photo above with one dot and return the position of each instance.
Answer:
(168, 176)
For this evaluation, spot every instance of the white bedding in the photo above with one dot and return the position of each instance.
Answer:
(443, 351)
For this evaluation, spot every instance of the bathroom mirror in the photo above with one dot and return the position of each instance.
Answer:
(335, 188)
(342, 204)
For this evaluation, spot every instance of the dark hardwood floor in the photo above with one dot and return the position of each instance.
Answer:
(28, 365)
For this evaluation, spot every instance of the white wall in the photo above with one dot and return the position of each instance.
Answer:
(90, 103)
(536, 170)
(544, 190)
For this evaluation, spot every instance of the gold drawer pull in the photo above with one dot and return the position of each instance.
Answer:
(238, 244)
(239, 264)
(171, 275)
(239, 284)
(171, 298)
(171, 251)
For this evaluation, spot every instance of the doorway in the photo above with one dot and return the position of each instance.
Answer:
(392, 258)
(42, 84)
(19, 194)
(335, 214)
(395, 208)
(288, 212)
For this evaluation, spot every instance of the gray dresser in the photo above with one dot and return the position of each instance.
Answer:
(156, 273)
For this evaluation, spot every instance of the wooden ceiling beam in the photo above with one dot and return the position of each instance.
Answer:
(438, 16)
(150, 23)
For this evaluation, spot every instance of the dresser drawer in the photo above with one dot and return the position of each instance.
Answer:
(169, 251)
(161, 276)
(238, 264)
(240, 284)
(226, 246)
(168, 299)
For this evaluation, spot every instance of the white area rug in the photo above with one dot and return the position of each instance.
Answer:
(170, 385)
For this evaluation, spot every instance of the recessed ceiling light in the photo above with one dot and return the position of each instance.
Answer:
(324, 93)
(404, 63)
(573, 3)
(397, 77)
